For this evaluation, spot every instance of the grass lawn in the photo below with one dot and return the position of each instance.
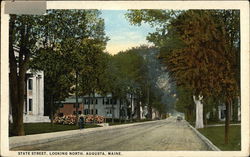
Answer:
(38, 128)
(221, 122)
(216, 136)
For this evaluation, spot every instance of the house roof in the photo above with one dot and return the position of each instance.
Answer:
(72, 99)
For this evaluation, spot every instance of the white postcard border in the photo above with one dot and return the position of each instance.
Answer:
(119, 5)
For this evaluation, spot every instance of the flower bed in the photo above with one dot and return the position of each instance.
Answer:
(71, 119)
(67, 120)
(90, 119)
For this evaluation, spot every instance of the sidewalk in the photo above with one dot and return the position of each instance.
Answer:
(204, 139)
(213, 125)
(17, 141)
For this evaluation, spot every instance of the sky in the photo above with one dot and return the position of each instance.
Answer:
(121, 33)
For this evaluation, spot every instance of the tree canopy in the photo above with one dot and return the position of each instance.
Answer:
(200, 49)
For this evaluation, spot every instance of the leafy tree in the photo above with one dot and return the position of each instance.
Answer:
(138, 74)
(29, 34)
(132, 72)
(22, 39)
(58, 77)
(185, 103)
(93, 67)
(199, 64)
(157, 81)
(197, 51)
(112, 82)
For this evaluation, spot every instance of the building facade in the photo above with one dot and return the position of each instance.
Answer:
(33, 111)
(68, 107)
(222, 112)
(102, 105)
(34, 99)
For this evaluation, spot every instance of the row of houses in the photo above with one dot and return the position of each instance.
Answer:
(100, 105)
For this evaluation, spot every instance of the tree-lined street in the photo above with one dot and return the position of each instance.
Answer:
(159, 135)
(189, 68)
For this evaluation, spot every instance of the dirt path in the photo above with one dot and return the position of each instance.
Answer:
(158, 136)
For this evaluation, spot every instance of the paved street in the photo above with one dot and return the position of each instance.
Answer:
(162, 135)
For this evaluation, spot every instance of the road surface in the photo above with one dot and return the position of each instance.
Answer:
(162, 135)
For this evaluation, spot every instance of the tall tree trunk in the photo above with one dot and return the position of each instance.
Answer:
(150, 110)
(17, 79)
(131, 109)
(18, 104)
(89, 104)
(138, 111)
(126, 112)
(235, 109)
(51, 110)
(199, 112)
(120, 120)
(14, 99)
(94, 110)
(76, 94)
(112, 110)
(227, 121)
(17, 109)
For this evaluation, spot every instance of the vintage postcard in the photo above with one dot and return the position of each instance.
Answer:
(125, 78)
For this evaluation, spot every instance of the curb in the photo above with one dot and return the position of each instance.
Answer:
(204, 139)
(18, 141)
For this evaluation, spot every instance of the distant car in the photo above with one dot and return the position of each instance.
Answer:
(179, 118)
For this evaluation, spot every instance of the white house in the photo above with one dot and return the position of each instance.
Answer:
(222, 112)
(34, 98)
(103, 106)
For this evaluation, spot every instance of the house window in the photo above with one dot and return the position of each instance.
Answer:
(113, 101)
(96, 111)
(107, 101)
(86, 101)
(30, 104)
(96, 101)
(86, 111)
(79, 112)
(103, 101)
(30, 84)
(61, 105)
(109, 112)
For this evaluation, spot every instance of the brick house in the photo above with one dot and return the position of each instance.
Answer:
(68, 107)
